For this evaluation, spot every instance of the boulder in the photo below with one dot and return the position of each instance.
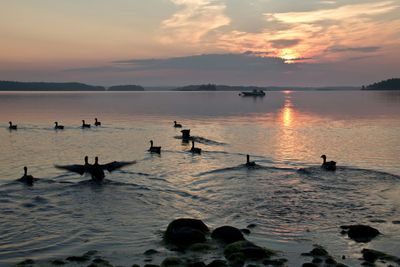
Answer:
(246, 250)
(185, 232)
(227, 234)
(361, 233)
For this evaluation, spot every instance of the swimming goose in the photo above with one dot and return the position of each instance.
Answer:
(97, 123)
(328, 165)
(154, 149)
(96, 170)
(58, 127)
(249, 163)
(12, 127)
(177, 125)
(185, 134)
(27, 179)
(84, 125)
(195, 150)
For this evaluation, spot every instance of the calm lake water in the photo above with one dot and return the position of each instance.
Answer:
(64, 214)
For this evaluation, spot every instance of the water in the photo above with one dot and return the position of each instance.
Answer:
(65, 214)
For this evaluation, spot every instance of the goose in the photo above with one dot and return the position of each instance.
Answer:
(328, 165)
(97, 123)
(195, 150)
(177, 125)
(84, 125)
(154, 149)
(185, 134)
(96, 170)
(27, 179)
(248, 162)
(12, 127)
(58, 127)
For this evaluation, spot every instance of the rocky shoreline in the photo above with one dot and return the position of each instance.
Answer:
(192, 240)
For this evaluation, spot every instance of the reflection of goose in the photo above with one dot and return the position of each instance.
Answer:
(96, 122)
(177, 125)
(84, 125)
(58, 127)
(195, 150)
(96, 170)
(328, 165)
(154, 149)
(12, 127)
(27, 179)
(249, 163)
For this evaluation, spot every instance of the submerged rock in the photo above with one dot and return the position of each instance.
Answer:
(185, 232)
(58, 262)
(247, 251)
(361, 233)
(150, 252)
(173, 262)
(227, 234)
(371, 256)
(218, 263)
(27, 262)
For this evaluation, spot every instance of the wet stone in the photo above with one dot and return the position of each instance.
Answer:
(309, 264)
(27, 262)
(218, 263)
(172, 262)
(150, 252)
(58, 262)
(227, 234)
(361, 233)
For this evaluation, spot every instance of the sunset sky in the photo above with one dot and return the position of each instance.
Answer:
(178, 42)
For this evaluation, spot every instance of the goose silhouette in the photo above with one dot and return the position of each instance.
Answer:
(96, 122)
(154, 149)
(248, 162)
(177, 125)
(58, 127)
(12, 127)
(195, 150)
(85, 125)
(26, 178)
(96, 170)
(328, 165)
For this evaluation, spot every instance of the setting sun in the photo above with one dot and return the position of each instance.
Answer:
(289, 55)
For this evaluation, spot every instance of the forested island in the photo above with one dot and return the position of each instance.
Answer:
(213, 87)
(390, 84)
(125, 88)
(47, 86)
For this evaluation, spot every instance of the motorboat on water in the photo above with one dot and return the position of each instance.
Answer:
(255, 92)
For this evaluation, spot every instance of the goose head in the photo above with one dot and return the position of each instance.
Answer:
(56, 123)
(151, 143)
(324, 158)
(83, 121)
(96, 160)
(247, 158)
(95, 119)
(25, 171)
(10, 123)
(86, 160)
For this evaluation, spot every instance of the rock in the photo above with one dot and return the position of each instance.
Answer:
(330, 260)
(58, 262)
(27, 262)
(172, 262)
(361, 233)
(135, 265)
(247, 250)
(317, 251)
(218, 263)
(370, 255)
(78, 258)
(196, 264)
(278, 262)
(317, 260)
(252, 225)
(101, 262)
(227, 234)
(200, 247)
(185, 232)
(150, 252)
(151, 265)
(245, 231)
(309, 264)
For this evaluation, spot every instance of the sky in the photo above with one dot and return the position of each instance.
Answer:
(180, 42)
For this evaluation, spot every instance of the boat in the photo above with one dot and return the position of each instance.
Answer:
(253, 93)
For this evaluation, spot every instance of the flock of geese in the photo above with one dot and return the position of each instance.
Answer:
(96, 170)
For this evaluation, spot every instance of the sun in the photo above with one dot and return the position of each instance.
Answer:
(289, 55)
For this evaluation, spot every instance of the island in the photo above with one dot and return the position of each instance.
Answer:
(213, 87)
(125, 88)
(47, 86)
(390, 84)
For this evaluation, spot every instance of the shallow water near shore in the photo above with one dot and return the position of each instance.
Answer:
(65, 214)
